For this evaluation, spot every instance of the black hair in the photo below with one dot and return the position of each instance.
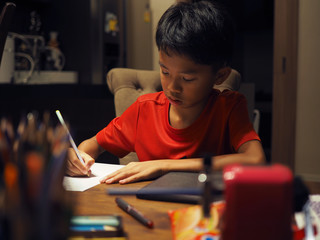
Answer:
(201, 30)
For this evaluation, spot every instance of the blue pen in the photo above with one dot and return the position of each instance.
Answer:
(95, 220)
(92, 228)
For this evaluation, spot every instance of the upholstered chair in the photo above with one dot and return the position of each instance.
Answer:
(128, 84)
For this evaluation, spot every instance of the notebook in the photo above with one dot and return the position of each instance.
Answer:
(182, 180)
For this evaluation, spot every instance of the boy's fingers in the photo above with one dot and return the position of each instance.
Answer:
(78, 164)
(75, 166)
(116, 176)
(90, 163)
(123, 178)
(131, 179)
(73, 172)
(111, 175)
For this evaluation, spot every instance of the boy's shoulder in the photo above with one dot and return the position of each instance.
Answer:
(230, 93)
(157, 97)
(231, 96)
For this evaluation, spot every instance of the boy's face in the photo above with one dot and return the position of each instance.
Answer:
(185, 83)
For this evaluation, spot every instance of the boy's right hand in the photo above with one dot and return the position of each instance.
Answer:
(75, 167)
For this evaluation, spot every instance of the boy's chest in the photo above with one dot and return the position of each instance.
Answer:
(182, 119)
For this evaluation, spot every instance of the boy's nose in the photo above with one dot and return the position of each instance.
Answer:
(174, 85)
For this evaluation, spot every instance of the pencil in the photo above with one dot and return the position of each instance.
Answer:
(70, 137)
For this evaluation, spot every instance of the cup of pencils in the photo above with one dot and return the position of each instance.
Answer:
(33, 203)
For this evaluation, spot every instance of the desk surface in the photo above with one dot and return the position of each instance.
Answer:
(95, 201)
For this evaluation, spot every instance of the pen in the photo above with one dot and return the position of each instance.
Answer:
(133, 212)
(70, 137)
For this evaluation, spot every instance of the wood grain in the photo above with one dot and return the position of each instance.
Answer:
(95, 201)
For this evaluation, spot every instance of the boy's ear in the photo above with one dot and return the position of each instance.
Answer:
(222, 75)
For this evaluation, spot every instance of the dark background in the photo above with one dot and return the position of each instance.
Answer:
(91, 53)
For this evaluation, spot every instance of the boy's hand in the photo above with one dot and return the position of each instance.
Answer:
(135, 171)
(75, 166)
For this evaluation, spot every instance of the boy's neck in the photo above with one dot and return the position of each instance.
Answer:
(180, 118)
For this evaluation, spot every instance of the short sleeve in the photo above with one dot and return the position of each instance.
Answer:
(118, 137)
(240, 128)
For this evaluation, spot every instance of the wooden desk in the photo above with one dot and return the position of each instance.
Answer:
(95, 201)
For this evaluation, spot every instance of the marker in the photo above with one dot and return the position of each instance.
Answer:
(70, 137)
(134, 212)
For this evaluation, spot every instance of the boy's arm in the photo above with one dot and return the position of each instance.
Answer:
(91, 147)
(89, 150)
(250, 152)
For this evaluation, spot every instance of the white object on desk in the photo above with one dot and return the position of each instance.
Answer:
(314, 212)
(98, 171)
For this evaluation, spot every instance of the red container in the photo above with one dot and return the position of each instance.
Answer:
(259, 203)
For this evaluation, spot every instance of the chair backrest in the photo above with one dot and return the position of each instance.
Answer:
(128, 84)
(5, 20)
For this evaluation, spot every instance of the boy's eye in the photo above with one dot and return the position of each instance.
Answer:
(164, 73)
(188, 79)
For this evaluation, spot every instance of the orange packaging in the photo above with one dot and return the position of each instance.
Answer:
(189, 223)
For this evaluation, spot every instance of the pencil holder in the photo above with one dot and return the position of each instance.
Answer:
(33, 165)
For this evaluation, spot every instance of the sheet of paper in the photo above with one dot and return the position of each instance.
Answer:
(98, 170)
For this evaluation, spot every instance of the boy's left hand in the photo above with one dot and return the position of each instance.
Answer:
(135, 171)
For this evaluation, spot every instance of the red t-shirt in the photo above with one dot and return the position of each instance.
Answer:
(144, 128)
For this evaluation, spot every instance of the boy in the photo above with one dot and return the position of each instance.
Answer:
(171, 130)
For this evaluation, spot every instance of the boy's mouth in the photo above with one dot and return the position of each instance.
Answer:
(174, 101)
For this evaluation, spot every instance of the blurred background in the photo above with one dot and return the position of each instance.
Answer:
(94, 36)
(75, 43)
(97, 35)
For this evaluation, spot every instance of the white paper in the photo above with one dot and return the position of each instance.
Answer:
(98, 171)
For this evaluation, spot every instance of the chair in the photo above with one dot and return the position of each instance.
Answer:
(5, 20)
(128, 84)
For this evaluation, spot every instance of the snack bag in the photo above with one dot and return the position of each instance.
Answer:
(189, 223)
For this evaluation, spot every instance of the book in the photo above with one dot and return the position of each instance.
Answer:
(181, 181)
